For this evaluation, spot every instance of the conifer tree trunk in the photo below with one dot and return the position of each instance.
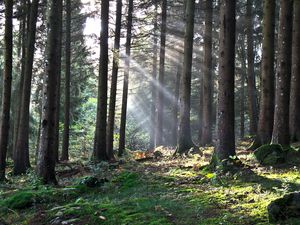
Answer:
(65, 146)
(58, 78)
(99, 152)
(206, 137)
(175, 104)
(283, 77)
(295, 83)
(21, 158)
(125, 84)
(114, 79)
(153, 82)
(225, 121)
(7, 78)
(184, 131)
(251, 84)
(46, 156)
(266, 111)
(161, 75)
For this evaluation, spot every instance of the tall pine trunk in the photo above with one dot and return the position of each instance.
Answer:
(161, 75)
(99, 152)
(283, 77)
(153, 82)
(251, 84)
(65, 146)
(114, 79)
(7, 78)
(21, 157)
(225, 121)
(126, 77)
(46, 156)
(266, 110)
(206, 137)
(295, 82)
(184, 130)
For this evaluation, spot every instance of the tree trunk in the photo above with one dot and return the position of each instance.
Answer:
(251, 84)
(161, 75)
(175, 106)
(21, 158)
(184, 130)
(126, 76)
(295, 83)
(24, 31)
(46, 158)
(242, 106)
(100, 134)
(7, 78)
(153, 82)
(114, 79)
(58, 80)
(206, 137)
(283, 77)
(65, 146)
(225, 123)
(266, 112)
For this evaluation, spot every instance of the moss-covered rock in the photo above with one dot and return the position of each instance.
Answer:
(284, 208)
(270, 154)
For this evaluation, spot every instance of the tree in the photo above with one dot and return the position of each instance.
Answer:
(251, 84)
(126, 78)
(184, 131)
(206, 136)
(266, 112)
(161, 75)
(99, 152)
(154, 77)
(114, 78)
(46, 156)
(7, 78)
(225, 121)
(21, 157)
(295, 82)
(283, 77)
(65, 146)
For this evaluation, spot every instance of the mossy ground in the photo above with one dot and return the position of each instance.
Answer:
(156, 192)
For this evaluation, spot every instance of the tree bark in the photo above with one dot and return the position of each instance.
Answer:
(65, 146)
(283, 77)
(161, 75)
(99, 152)
(184, 130)
(295, 83)
(46, 157)
(7, 78)
(251, 84)
(125, 84)
(225, 123)
(21, 158)
(153, 82)
(114, 79)
(206, 137)
(266, 112)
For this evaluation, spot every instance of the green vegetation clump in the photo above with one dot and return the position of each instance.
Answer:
(270, 154)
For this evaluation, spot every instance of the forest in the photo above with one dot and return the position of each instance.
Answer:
(154, 112)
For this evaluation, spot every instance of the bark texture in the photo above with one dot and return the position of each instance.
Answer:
(283, 77)
(7, 78)
(225, 121)
(295, 82)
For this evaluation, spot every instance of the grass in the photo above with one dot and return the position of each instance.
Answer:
(167, 191)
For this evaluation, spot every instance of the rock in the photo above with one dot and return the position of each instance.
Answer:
(92, 182)
(270, 154)
(286, 207)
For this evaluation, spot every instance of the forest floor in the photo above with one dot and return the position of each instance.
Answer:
(156, 192)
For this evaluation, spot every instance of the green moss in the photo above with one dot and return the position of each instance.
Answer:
(19, 200)
(270, 154)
